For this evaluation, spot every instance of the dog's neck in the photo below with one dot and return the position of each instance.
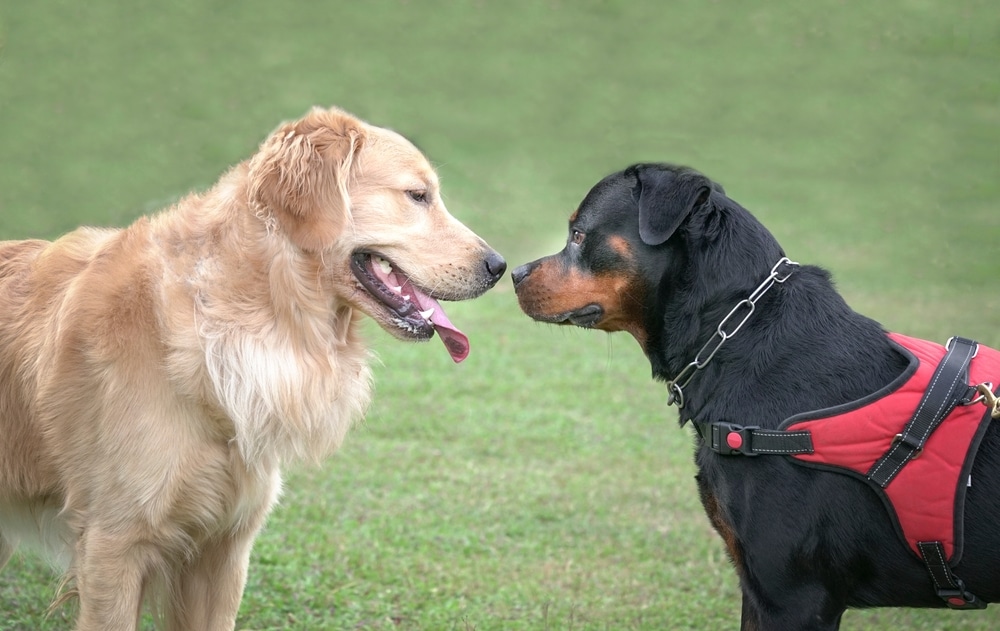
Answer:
(782, 361)
(783, 358)
(728, 327)
(254, 328)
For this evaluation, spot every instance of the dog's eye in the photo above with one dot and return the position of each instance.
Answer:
(577, 237)
(418, 196)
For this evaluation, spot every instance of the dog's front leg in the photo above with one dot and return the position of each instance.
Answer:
(804, 609)
(211, 586)
(111, 570)
(750, 615)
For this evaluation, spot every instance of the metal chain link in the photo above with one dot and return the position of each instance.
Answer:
(677, 384)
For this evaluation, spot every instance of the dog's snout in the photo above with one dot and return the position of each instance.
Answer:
(495, 265)
(521, 273)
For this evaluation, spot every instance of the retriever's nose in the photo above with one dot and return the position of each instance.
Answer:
(495, 265)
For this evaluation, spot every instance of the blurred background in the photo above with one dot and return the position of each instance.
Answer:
(542, 484)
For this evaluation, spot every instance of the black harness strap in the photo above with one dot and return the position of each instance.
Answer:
(948, 586)
(947, 388)
(727, 439)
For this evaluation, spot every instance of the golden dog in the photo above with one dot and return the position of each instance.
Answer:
(154, 380)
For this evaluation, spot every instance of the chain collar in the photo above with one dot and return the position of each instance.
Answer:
(779, 274)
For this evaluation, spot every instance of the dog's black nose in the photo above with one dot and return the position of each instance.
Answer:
(495, 265)
(521, 273)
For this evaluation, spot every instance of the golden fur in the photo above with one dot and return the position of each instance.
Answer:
(154, 379)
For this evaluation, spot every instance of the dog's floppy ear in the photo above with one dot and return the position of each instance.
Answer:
(666, 196)
(300, 174)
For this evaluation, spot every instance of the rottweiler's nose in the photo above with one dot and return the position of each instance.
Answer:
(495, 265)
(521, 273)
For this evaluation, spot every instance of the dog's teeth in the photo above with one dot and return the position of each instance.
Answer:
(426, 315)
(406, 298)
(398, 290)
(384, 264)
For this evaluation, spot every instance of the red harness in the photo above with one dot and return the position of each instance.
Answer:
(920, 470)
(928, 492)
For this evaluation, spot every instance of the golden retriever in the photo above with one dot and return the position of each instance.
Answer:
(154, 379)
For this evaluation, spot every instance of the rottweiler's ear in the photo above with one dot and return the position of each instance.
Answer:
(666, 196)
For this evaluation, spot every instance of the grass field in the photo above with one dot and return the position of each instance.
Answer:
(543, 484)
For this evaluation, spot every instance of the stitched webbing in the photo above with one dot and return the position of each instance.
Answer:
(946, 388)
(948, 586)
(728, 439)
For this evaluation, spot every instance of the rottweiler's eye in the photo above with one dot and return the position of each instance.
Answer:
(418, 196)
(577, 237)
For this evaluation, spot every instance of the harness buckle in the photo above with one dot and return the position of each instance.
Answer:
(910, 441)
(729, 439)
(960, 598)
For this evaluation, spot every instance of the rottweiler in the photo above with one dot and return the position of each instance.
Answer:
(750, 344)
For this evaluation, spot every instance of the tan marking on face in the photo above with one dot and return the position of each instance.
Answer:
(621, 246)
(552, 290)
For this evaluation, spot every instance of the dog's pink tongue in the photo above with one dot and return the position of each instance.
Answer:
(454, 340)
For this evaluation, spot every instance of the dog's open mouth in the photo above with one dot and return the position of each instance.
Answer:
(411, 309)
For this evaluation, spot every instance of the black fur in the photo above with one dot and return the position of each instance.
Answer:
(806, 543)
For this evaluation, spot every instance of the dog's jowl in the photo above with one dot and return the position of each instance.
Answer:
(843, 466)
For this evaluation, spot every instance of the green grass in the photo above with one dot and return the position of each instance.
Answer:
(543, 484)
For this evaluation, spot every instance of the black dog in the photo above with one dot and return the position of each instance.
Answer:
(746, 339)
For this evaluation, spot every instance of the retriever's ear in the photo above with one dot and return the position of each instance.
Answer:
(300, 174)
(666, 196)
